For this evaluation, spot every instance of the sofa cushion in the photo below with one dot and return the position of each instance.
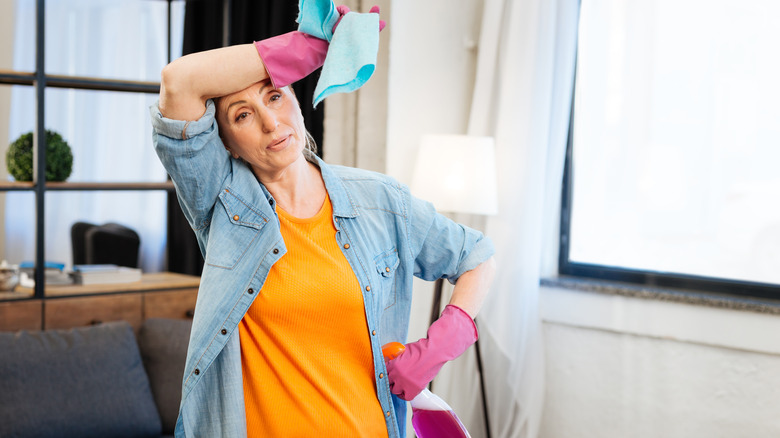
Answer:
(163, 345)
(82, 382)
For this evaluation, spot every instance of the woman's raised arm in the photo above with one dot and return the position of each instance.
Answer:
(189, 81)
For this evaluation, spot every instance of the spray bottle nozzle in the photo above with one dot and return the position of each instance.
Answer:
(391, 350)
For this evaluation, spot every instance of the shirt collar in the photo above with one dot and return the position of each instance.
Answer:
(343, 206)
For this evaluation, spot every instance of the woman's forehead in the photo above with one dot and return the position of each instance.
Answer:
(224, 101)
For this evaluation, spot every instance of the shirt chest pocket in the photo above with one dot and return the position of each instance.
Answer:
(234, 229)
(386, 266)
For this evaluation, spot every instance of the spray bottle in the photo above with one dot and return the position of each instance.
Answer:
(432, 417)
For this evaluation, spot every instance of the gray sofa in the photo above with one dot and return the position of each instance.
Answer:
(98, 381)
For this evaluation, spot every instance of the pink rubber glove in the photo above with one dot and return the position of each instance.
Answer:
(294, 55)
(448, 337)
(344, 10)
(291, 56)
(375, 10)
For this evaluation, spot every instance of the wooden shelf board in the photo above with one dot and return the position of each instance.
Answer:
(15, 185)
(97, 186)
(149, 282)
(165, 185)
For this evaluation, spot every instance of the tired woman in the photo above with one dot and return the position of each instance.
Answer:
(308, 266)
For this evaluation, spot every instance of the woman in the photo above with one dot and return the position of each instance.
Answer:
(308, 267)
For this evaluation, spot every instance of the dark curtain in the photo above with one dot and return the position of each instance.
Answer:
(205, 27)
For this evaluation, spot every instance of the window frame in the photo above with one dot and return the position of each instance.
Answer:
(650, 278)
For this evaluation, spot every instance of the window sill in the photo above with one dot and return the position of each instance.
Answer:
(696, 298)
(703, 318)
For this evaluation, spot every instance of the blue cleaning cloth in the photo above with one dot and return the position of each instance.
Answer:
(351, 57)
(317, 18)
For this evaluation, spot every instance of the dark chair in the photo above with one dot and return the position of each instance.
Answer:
(77, 241)
(110, 243)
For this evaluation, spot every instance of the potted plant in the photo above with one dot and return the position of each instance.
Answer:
(59, 158)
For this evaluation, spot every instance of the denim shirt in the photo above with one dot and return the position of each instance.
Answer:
(386, 235)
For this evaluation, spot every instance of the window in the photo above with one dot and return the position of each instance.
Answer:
(673, 148)
(116, 174)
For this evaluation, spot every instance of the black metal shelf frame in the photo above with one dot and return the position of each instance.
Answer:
(40, 80)
(82, 83)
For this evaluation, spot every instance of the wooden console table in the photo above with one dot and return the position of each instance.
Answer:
(157, 295)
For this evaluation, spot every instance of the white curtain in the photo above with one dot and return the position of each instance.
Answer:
(525, 73)
(109, 132)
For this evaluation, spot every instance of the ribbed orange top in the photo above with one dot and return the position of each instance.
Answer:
(305, 350)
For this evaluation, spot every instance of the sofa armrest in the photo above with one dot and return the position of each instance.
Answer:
(163, 343)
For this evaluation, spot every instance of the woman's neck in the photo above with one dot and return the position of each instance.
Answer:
(299, 190)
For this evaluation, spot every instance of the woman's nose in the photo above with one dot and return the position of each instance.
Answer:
(268, 121)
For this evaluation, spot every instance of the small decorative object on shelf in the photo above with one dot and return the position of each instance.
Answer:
(53, 273)
(9, 276)
(105, 274)
(59, 158)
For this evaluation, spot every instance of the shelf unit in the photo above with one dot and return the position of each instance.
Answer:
(41, 81)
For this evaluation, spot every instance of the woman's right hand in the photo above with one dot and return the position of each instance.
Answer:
(448, 337)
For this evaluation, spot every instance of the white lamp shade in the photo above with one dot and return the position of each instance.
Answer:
(457, 173)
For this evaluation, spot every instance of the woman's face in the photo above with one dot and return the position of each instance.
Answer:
(263, 126)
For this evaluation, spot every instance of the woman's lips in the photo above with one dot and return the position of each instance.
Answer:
(279, 144)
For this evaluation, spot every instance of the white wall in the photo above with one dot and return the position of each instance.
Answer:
(622, 367)
(431, 77)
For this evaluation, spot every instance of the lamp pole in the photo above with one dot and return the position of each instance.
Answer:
(457, 174)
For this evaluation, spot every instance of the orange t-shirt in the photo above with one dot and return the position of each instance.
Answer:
(305, 349)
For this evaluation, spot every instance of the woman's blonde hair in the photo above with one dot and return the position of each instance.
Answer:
(310, 151)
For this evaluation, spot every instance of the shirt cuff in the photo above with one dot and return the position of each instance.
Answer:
(181, 129)
(481, 251)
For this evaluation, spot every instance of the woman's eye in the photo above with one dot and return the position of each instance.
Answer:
(275, 96)
(241, 116)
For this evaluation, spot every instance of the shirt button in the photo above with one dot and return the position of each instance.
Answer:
(373, 332)
(381, 375)
(235, 218)
(387, 413)
(387, 269)
(197, 371)
(276, 250)
(346, 246)
(250, 291)
(224, 332)
(368, 288)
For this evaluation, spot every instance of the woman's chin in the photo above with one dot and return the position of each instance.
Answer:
(279, 162)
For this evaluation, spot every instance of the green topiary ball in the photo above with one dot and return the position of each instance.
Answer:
(59, 158)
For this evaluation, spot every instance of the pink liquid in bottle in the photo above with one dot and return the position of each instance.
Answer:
(437, 424)
(432, 417)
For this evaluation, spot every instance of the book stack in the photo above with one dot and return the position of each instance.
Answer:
(54, 273)
(105, 274)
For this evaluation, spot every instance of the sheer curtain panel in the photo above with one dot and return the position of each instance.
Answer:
(522, 99)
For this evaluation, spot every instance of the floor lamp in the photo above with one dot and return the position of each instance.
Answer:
(457, 173)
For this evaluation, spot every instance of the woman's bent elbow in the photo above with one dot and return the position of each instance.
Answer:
(170, 79)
